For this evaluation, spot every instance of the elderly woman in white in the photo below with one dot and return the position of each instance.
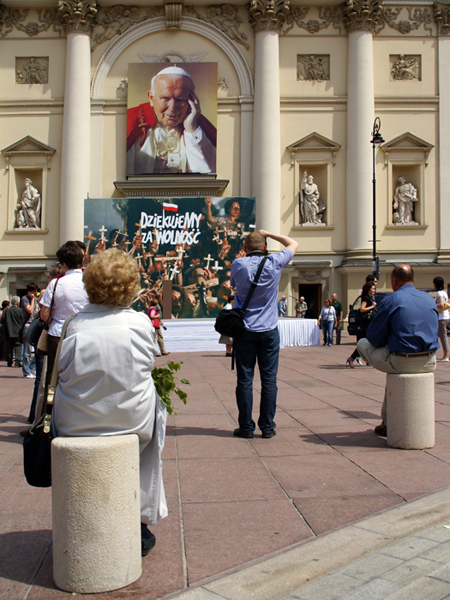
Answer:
(105, 370)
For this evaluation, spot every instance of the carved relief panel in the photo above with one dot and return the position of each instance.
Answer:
(313, 67)
(32, 69)
(405, 67)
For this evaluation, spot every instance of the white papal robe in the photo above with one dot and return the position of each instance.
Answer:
(106, 388)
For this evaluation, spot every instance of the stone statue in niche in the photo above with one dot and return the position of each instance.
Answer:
(311, 207)
(405, 69)
(313, 67)
(28, 212)
(405, 194)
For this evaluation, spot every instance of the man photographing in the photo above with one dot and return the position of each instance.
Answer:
(260, 340)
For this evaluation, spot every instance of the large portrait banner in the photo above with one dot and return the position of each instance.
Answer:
(190, 242)
(171, 118)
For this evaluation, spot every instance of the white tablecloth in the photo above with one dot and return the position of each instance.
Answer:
(195, 335)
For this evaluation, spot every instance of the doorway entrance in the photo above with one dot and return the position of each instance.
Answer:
(312, 293)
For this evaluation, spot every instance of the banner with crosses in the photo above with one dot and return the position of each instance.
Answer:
(189, 241)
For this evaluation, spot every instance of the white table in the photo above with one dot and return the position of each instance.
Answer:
(195, 335)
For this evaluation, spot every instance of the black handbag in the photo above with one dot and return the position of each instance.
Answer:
(231, 322)
(33, 333)
(37, 449)
(38, 439)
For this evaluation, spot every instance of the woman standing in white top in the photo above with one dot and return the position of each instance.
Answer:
(441, 299)
(68, 295)
(327, 319)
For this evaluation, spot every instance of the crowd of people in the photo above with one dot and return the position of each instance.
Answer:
(107, 351)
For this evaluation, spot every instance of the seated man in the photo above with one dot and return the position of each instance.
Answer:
(403, 335)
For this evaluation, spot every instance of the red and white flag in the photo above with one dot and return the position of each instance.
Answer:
(170, 207)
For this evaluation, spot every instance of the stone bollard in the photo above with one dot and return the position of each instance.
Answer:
(96, 513)
(410, 410)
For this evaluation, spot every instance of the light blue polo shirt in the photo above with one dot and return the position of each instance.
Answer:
(262, 312)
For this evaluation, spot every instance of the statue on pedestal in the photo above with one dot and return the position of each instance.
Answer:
(311, 208)
(405, 195)
(28, 212)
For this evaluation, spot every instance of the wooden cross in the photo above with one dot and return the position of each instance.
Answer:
(114, 242)
(138, 258)
(208, 259)
(102, 231)
(89, 238)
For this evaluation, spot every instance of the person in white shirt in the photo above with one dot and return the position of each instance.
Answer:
(69, 297)
(327, 320)
(441, 299)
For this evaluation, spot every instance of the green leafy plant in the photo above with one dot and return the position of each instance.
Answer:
(166, 383)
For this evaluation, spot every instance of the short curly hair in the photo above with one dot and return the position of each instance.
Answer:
(112, 278)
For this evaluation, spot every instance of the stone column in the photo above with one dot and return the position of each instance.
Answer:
(442, 18)
(267, 18)
(361, 18)
(75, 158)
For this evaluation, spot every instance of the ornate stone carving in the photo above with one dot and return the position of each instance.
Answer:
(405, 195)
(174, 12)
(32, 70)
(223, 84)
(366, 15)
(442, 17)
(123, 85)
(327, 15)
(77, 15)
(405, 68)
(417, 17)
(28, 211)
(113, 21)
(268, 15)
(225, 18)
(313, 67)
(172, 56)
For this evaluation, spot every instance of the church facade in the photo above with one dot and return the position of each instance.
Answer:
(333, 116)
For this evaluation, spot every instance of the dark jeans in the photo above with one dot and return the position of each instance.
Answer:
(327, 327)
(39, 364)
(338, 330)
(263, 346)
(13, 347)
(359, 336)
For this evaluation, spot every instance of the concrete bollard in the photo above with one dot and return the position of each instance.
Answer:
(410, 410)
(96, 513)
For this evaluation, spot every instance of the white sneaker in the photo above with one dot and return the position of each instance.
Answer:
(442, 360)
(30, 376)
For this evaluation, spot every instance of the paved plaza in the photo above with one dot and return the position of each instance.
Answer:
(323, 510)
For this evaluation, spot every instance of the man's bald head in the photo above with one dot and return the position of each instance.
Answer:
(400, 275)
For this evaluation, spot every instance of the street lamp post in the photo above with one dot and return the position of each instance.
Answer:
(376, 140)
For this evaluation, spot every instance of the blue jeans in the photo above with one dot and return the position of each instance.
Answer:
(327, 327)
(264, 346)
(28, 363)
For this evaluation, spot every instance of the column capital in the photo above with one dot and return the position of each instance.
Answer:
(268, 15)
(363, 15)
(442, 17)
(77, 15)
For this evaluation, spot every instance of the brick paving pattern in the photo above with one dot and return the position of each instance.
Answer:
(233, 501)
